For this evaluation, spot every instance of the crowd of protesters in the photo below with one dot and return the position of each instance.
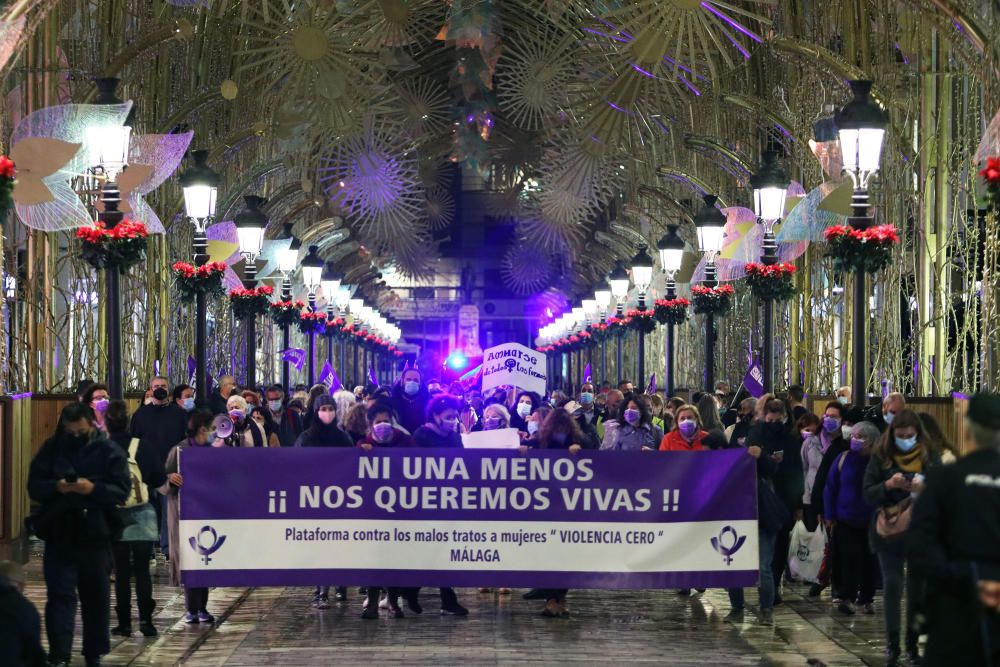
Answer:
(886, 486)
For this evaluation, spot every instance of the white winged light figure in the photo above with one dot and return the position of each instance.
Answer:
(163, 153)
(50, 149)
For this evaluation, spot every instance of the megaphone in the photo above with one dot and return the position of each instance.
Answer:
(223, 426)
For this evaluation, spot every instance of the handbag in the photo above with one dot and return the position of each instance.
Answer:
(806, 552)
(892, 522)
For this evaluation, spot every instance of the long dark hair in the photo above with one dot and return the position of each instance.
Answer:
(887, 445)
(641, 404)
(559, 420)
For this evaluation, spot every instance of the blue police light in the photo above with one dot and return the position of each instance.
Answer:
(456, 361)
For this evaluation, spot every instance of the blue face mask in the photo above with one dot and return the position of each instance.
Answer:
(888, 417)
(906, 444)
(188, 404)
(411, 387)
(586, 398)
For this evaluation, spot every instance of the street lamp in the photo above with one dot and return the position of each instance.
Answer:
(312, 276)
(770, 184)
(602, 294)
(671, 250)
(642, 275)
(250, 226)
(355, 306)
(288, 261)
(861, 127)
(109, 144)
(200, 184)
(619, 282)
(343, 299)
(710, 223)
(330, 286)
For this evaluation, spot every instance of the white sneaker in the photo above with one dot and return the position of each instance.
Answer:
(384, 602)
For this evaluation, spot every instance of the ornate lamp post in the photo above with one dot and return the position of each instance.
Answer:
(312, 276)
(710, 223)
(590, 311)
(770, 184)
(356, 305)
(288, 261)
(642, 275)
(602, 295)
(619, 282)
(343, 299)
(201, 188)
(330, 286)
(250, 226)
(861, 127)
(109, 145)
(671, 250)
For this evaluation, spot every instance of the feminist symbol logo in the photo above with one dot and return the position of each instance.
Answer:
(719, 544)
(510, 364)
(203, 550)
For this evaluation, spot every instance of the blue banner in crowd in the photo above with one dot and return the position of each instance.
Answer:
(408, 517)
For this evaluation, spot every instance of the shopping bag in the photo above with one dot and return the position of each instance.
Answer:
(805, 552)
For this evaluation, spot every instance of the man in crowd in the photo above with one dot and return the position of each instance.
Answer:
(218, 398)
(409, 400)
(609, 422)
(892, 405)
(626, 387)
(163, 424)
(282, 421)
(796, 399)
(78, 478)
(588, 411)
(843, 396)
(954, 542)
(20, 626)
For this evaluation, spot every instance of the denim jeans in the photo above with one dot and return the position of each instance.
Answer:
(766, 584)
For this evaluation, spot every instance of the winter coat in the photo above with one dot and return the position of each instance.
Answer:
(399, 439)
(162, 425)
(631, 439)
(428, 435)
(877, 495)
(140, 524)
(73, 519)
(675, 442)
(788, 478)
(324, 435)
(411, 410)
(843, 495)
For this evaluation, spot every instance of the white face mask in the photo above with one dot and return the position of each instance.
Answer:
(326, 416)
(845, 431)
(532, 428)
(524, 409)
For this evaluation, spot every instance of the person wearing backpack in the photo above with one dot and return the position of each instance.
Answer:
(77, 478)
(135, 548)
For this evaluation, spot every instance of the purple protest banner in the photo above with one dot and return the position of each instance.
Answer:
(433, 517)
(753, 381)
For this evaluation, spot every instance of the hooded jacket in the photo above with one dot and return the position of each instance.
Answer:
(412, 410)
(324, 435)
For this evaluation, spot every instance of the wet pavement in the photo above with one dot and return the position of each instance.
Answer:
(277, 626)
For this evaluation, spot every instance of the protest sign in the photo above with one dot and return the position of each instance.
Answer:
(440, 517)
(501, 438)
(514, 365)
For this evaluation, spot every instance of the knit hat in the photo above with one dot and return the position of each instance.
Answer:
(984, 410)
(321, 400)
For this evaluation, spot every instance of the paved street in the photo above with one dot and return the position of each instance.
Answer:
(277, 626)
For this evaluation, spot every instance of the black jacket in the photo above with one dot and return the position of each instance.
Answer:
(323, 435)
(216, 404)
(789, 480)
(162, 425)
(288, 429)
(428, 436)
(147, 459)
(954, 541)
(816, 498)
(412, 411)
(20, 630)
(73, 519)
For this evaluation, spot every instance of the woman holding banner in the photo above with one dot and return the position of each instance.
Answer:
(689, 435)
(200, 434)
(637, 433)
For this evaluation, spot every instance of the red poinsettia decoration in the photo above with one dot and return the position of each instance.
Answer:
(312, 322)
(120, 247)
(671, 311)
(712, 300)
(7, 182)
(868, 250)
(193, 280)
(771, 282)
(247, 303)
(286, 313)
(991, 176)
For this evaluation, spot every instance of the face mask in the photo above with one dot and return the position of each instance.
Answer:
(888, 417)
(326, 416)
(434, 388)
(101, 405)
(744, 418)
(274, 406)
(160, 394)
(843, 400)
(688, 428)
(586, 398)
(188, 404)
(237, 415)
(382, 431)
(806, 435)
(532, 428)
(78, 440)
(559, 438)
(831, 424)
(411, 387)
(210, 438)
(906, 444)
(845, 432)
(632, 416)
(857, 445)
(722, 411)
(492, 423)
(524, 409)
